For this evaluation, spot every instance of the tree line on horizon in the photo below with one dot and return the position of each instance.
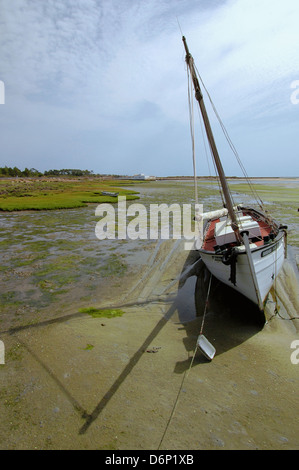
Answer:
(33, 172)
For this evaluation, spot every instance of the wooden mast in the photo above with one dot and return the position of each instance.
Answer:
(199, 97)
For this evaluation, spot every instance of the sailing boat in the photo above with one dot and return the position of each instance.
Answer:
(243, 247)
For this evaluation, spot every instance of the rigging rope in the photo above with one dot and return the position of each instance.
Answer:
(191, 120)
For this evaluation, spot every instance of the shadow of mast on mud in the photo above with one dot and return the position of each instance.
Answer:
(188, 269)
(128, 369)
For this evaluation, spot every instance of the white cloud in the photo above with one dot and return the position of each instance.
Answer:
(116, 69)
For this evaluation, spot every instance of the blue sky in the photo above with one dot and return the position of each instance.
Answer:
(102, 84)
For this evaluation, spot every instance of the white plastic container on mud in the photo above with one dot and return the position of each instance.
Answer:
(206, 347)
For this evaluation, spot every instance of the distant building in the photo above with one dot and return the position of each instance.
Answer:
(141, 176)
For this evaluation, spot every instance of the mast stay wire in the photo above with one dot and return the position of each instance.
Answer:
(191, 119)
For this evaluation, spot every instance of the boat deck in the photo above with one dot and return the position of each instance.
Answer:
(209, 243)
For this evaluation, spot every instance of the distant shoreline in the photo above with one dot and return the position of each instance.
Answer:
(135, 180)
(127, 180)
(232, 177)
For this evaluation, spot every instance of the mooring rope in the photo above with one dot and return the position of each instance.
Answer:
(206, 305)
(186, 373)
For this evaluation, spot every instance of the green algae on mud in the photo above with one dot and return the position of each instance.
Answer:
(269, 192)
(27, 194)
(52, 260)
(102, 313)
(281, 198)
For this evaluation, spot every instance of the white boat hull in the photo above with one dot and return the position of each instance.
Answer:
(267, 261)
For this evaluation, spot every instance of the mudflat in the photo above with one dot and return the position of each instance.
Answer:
(71, 381)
